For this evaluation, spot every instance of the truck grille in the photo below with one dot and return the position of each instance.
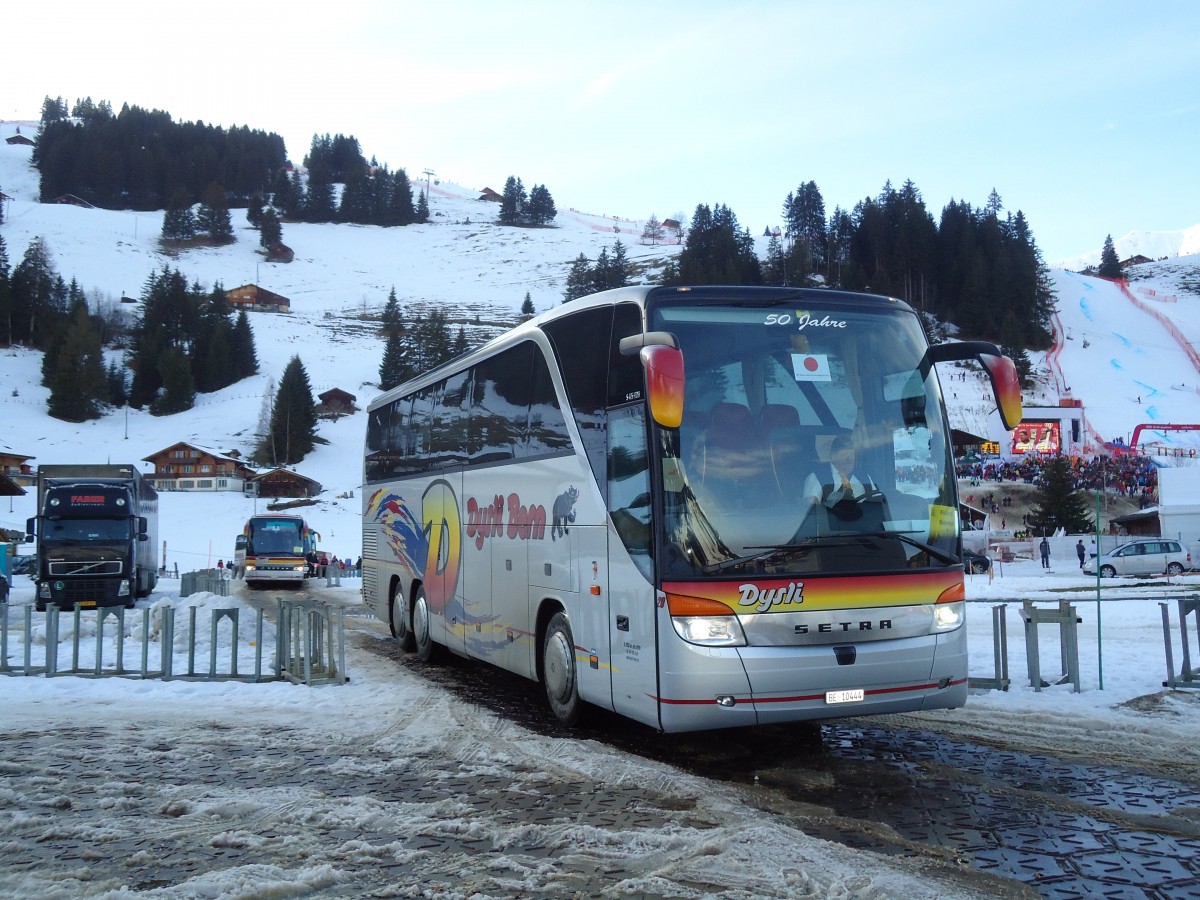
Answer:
(85, 567)
(78, 590)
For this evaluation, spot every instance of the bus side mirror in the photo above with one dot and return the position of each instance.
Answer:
(29, 536)
(1006, 385)
(143, 528)
(664, 384)
(662, 361)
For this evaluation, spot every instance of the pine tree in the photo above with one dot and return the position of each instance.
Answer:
(6, 297)
(540, 209)
(245, 358)
(422, 214)
(579, 279)
(78, 385)
(270, 232)
(254, 209)
(1059, 505)
(512, 202)
(293, 429)
(653, 232)
(527, 305)
(393, 369)
(390, 319)
(179, 223)
(1110, 265)
(213, 218)
(318, 206)
(179, 388)
(118, 389)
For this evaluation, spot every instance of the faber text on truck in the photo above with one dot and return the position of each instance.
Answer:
(632, 499)
(97, 536)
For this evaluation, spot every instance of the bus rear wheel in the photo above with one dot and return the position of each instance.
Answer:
(401, 627)
(559, 674)
(427, 647)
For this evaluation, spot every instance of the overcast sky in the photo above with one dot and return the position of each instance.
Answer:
(1084, 115)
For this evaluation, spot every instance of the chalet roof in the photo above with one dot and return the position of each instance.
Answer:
(9, 488)
(20, 457)
(336, 394)
(262, 294)
(208, 451)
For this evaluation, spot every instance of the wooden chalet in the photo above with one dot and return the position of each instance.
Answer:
(19, 139)
(253, 298)
(491, 196)
(1135, 260)
(285, 483)
(16, 468)
(190, 467)
(336, 402)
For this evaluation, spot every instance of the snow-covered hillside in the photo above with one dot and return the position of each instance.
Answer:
(1117, 358)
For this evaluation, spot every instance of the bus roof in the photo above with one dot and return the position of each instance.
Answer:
(641, 295)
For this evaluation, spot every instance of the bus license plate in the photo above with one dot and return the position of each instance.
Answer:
(854, 696)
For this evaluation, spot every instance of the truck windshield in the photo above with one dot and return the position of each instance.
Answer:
(87, 529)
(813, 440)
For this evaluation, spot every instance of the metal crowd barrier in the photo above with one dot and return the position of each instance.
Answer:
(1188, 677)
(309, 645)
(211, 580)
(1068, 641)
(1000, 681)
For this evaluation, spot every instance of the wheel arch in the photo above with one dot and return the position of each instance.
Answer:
(547, 608)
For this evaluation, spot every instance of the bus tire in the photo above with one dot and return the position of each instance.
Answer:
(427, 647)
(560, 677)
(401, 623)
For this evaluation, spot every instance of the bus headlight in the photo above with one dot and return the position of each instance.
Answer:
(708, 623)
(710, 631)
(948, 616)
(125, 589)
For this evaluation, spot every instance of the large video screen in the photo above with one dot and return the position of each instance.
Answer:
(1037, 437)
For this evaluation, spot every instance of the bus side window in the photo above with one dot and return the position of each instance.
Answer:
(629, 482)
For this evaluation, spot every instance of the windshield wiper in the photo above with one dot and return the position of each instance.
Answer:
(768, 551)
(842, 538)
(939, 555)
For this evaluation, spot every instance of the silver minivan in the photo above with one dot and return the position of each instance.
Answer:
(1151, 556)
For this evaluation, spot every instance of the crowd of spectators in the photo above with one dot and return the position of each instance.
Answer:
(1128, 474)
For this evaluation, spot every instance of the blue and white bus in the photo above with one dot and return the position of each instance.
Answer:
(611, 499)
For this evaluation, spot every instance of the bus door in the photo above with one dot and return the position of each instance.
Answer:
(631, 594)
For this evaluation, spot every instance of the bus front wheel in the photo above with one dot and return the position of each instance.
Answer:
(421, 623)
(401, 627)
(559, 674)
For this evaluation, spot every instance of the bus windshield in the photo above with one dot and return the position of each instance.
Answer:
(813, 441)
(281, 537)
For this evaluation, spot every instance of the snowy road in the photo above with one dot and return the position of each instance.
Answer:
(415, 779)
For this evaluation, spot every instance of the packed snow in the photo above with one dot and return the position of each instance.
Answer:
(1118, 359)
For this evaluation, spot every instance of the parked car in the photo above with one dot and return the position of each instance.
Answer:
(3, 589)
(21, 565)
(1152, 556)
(975, 563)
